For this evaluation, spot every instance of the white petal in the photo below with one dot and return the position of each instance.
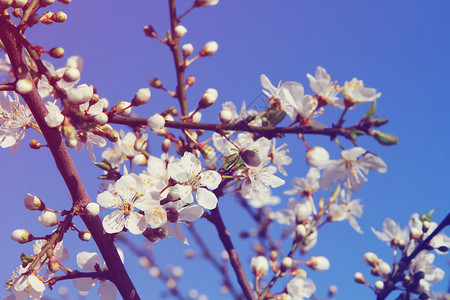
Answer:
(191, 164)
(191, 213)
(177, 172)
(88, 260)
(114, 222)
(179, 235)
(135, 223)
(210, 179)
(107, 200)
(84, 284)
(206, 198)
(107, 290)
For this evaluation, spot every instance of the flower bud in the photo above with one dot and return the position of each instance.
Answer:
(317, 156)
(205, 3)
(359, 278)
(384, 138)
(85, 235)
(24, 86)
(53, 265)
(35, 145)
(379, 285)
(332, 290)
(209, 49)
(415, 233)
(250, 157)
(113, 136)
(101, 118)
(149, 31)
(300, 231)
(155, 83)
(156, 122)
(21, 236)
(208, 98)
(16, 12)
(46, 18)
(371, 259)
(19, 3)
(302, 212)
(71, 142)
(225, 116)
(320, 263)
(180, 31)
(259, 265)
(57, 52)
(32, 202)
(141, 97)
(44, 3)
(384, 268)
(287, 263)
(124, 108)
(48, 218)
(71, 74)
(92, 209)
(59, 17)
(207, 151)
(54, 118)
(187, 49)
(140, 145)
(197, 117)
(140, 159)
(166, 145)
(5, 3)
(81, 94)
(190, 80)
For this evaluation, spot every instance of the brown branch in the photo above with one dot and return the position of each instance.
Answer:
(66, 166)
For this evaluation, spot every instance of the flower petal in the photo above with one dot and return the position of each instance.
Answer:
(114, 222)
(135, 223)
(210, 179)
(206, 198)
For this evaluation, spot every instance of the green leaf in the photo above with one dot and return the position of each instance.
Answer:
(384, 138)
(371, 111)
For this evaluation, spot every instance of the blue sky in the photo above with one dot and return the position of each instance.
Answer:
(400, 48)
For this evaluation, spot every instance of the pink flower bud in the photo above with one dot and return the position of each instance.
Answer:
(32, 202)
(155, 82)
(21, 236)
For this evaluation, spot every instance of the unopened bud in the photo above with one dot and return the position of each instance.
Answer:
(149, 31)
(59, 17)
(379, 285)
(155, 83)
(300, 231)
(317, 156)
(207, 151)
(302, 212)
(332, 290)
(415, 233)
(259, 265)
(57, 52)
(180, 31)
(101, 118)
(197, 117)
(384, 268)
(320, 263)
(250, 157)
(46, 18)
(16, 12)
(5, 3)
(19, 3)
(166, 145)
(187, 49)
(71, 142)
(48, 218)
(33, 202)
(24, 86)
(190, 80)
(140, 159)
(208, 98)
(21, 236)
(141, 97)
(71, 74)
(359, 278)
(44, 3)
(35, 145)
(225, 116)
(53, 265)
(287, 263)
(81, 94)
(371, 259)
(85, 235)
(209, 49)
(65, 1)
(124, 108)
(113, 136)
(156, 122)
(205, 3)
(384, 138)
(92, 209)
